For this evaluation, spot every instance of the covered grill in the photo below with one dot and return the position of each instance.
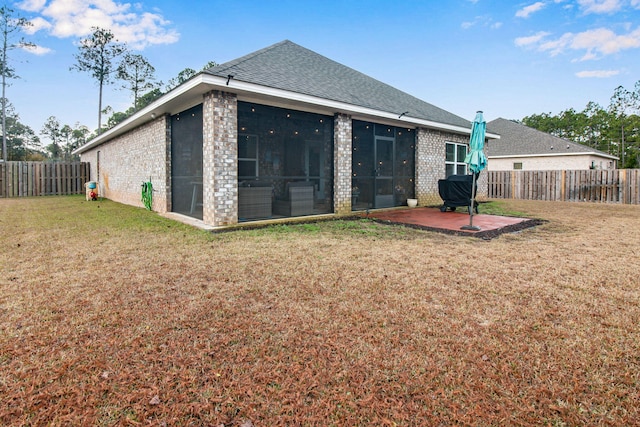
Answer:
(456, 191)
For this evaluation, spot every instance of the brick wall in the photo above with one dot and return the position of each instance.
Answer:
(220, 158)
(430, 166)
(127, 161)
(343, 131)
(145, 153)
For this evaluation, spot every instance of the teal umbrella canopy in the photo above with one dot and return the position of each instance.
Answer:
(476, 159)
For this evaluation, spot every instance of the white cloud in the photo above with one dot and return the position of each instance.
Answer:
(528, 10)
(595, 43)
(556, 47)
(635, 3)
(37, 50)
(601, 74)
(149, 30)
(531, 40)
(587, 57)
(75, 18)
(600, 6)
(37, 24)
(605, 41)
(31, 5)
(482, 20)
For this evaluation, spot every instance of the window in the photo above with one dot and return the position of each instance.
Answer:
(186, 162)
(454, 161)
(517, 166)
(247, 156)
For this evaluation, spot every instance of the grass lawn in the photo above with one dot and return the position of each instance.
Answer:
(112, 315)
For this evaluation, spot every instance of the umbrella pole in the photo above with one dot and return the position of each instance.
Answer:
(473, 196)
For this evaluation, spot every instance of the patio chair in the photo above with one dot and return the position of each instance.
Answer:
(254, 200)
(297, 201)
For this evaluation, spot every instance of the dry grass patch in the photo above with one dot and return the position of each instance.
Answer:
(112, 315)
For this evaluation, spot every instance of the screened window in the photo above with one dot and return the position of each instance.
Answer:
(247, 156)
(454, 161)
(517, 165)
(285, 162)
(186, 162)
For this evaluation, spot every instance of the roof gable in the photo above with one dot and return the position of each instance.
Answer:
(288, 66)
(517, 139)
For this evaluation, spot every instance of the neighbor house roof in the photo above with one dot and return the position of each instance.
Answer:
(291, 67)
(518, 140)
(291, 76)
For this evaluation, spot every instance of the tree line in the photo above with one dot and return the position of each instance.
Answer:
(107, 61)
(614, 130)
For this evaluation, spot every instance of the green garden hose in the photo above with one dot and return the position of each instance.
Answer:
(147, 194)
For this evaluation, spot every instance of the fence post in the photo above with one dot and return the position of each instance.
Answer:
(3, 179)
(623, 186)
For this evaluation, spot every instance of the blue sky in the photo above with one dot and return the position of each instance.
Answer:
(508, 58)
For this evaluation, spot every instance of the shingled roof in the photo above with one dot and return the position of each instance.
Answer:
(517, 139)
(295, 73)
(288, 66)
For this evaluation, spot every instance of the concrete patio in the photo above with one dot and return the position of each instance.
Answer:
(450, 222)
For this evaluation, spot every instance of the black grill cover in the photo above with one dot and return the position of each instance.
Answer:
(456, 190)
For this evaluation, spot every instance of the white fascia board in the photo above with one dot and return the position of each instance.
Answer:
(142, 116)
(586, 153)
(202, 83)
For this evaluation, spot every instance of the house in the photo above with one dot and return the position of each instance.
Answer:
(280, 132)
(522, 147)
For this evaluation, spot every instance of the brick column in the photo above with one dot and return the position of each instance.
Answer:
(483, 186)
(342, 155)
(220, 158)
(430, 155)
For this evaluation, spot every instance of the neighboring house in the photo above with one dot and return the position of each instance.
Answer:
(525, 148)
(280, 132)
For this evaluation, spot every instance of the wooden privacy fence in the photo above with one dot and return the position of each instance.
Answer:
(606, 186)
(23, 179)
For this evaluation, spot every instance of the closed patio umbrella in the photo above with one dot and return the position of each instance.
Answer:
(476, 159)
